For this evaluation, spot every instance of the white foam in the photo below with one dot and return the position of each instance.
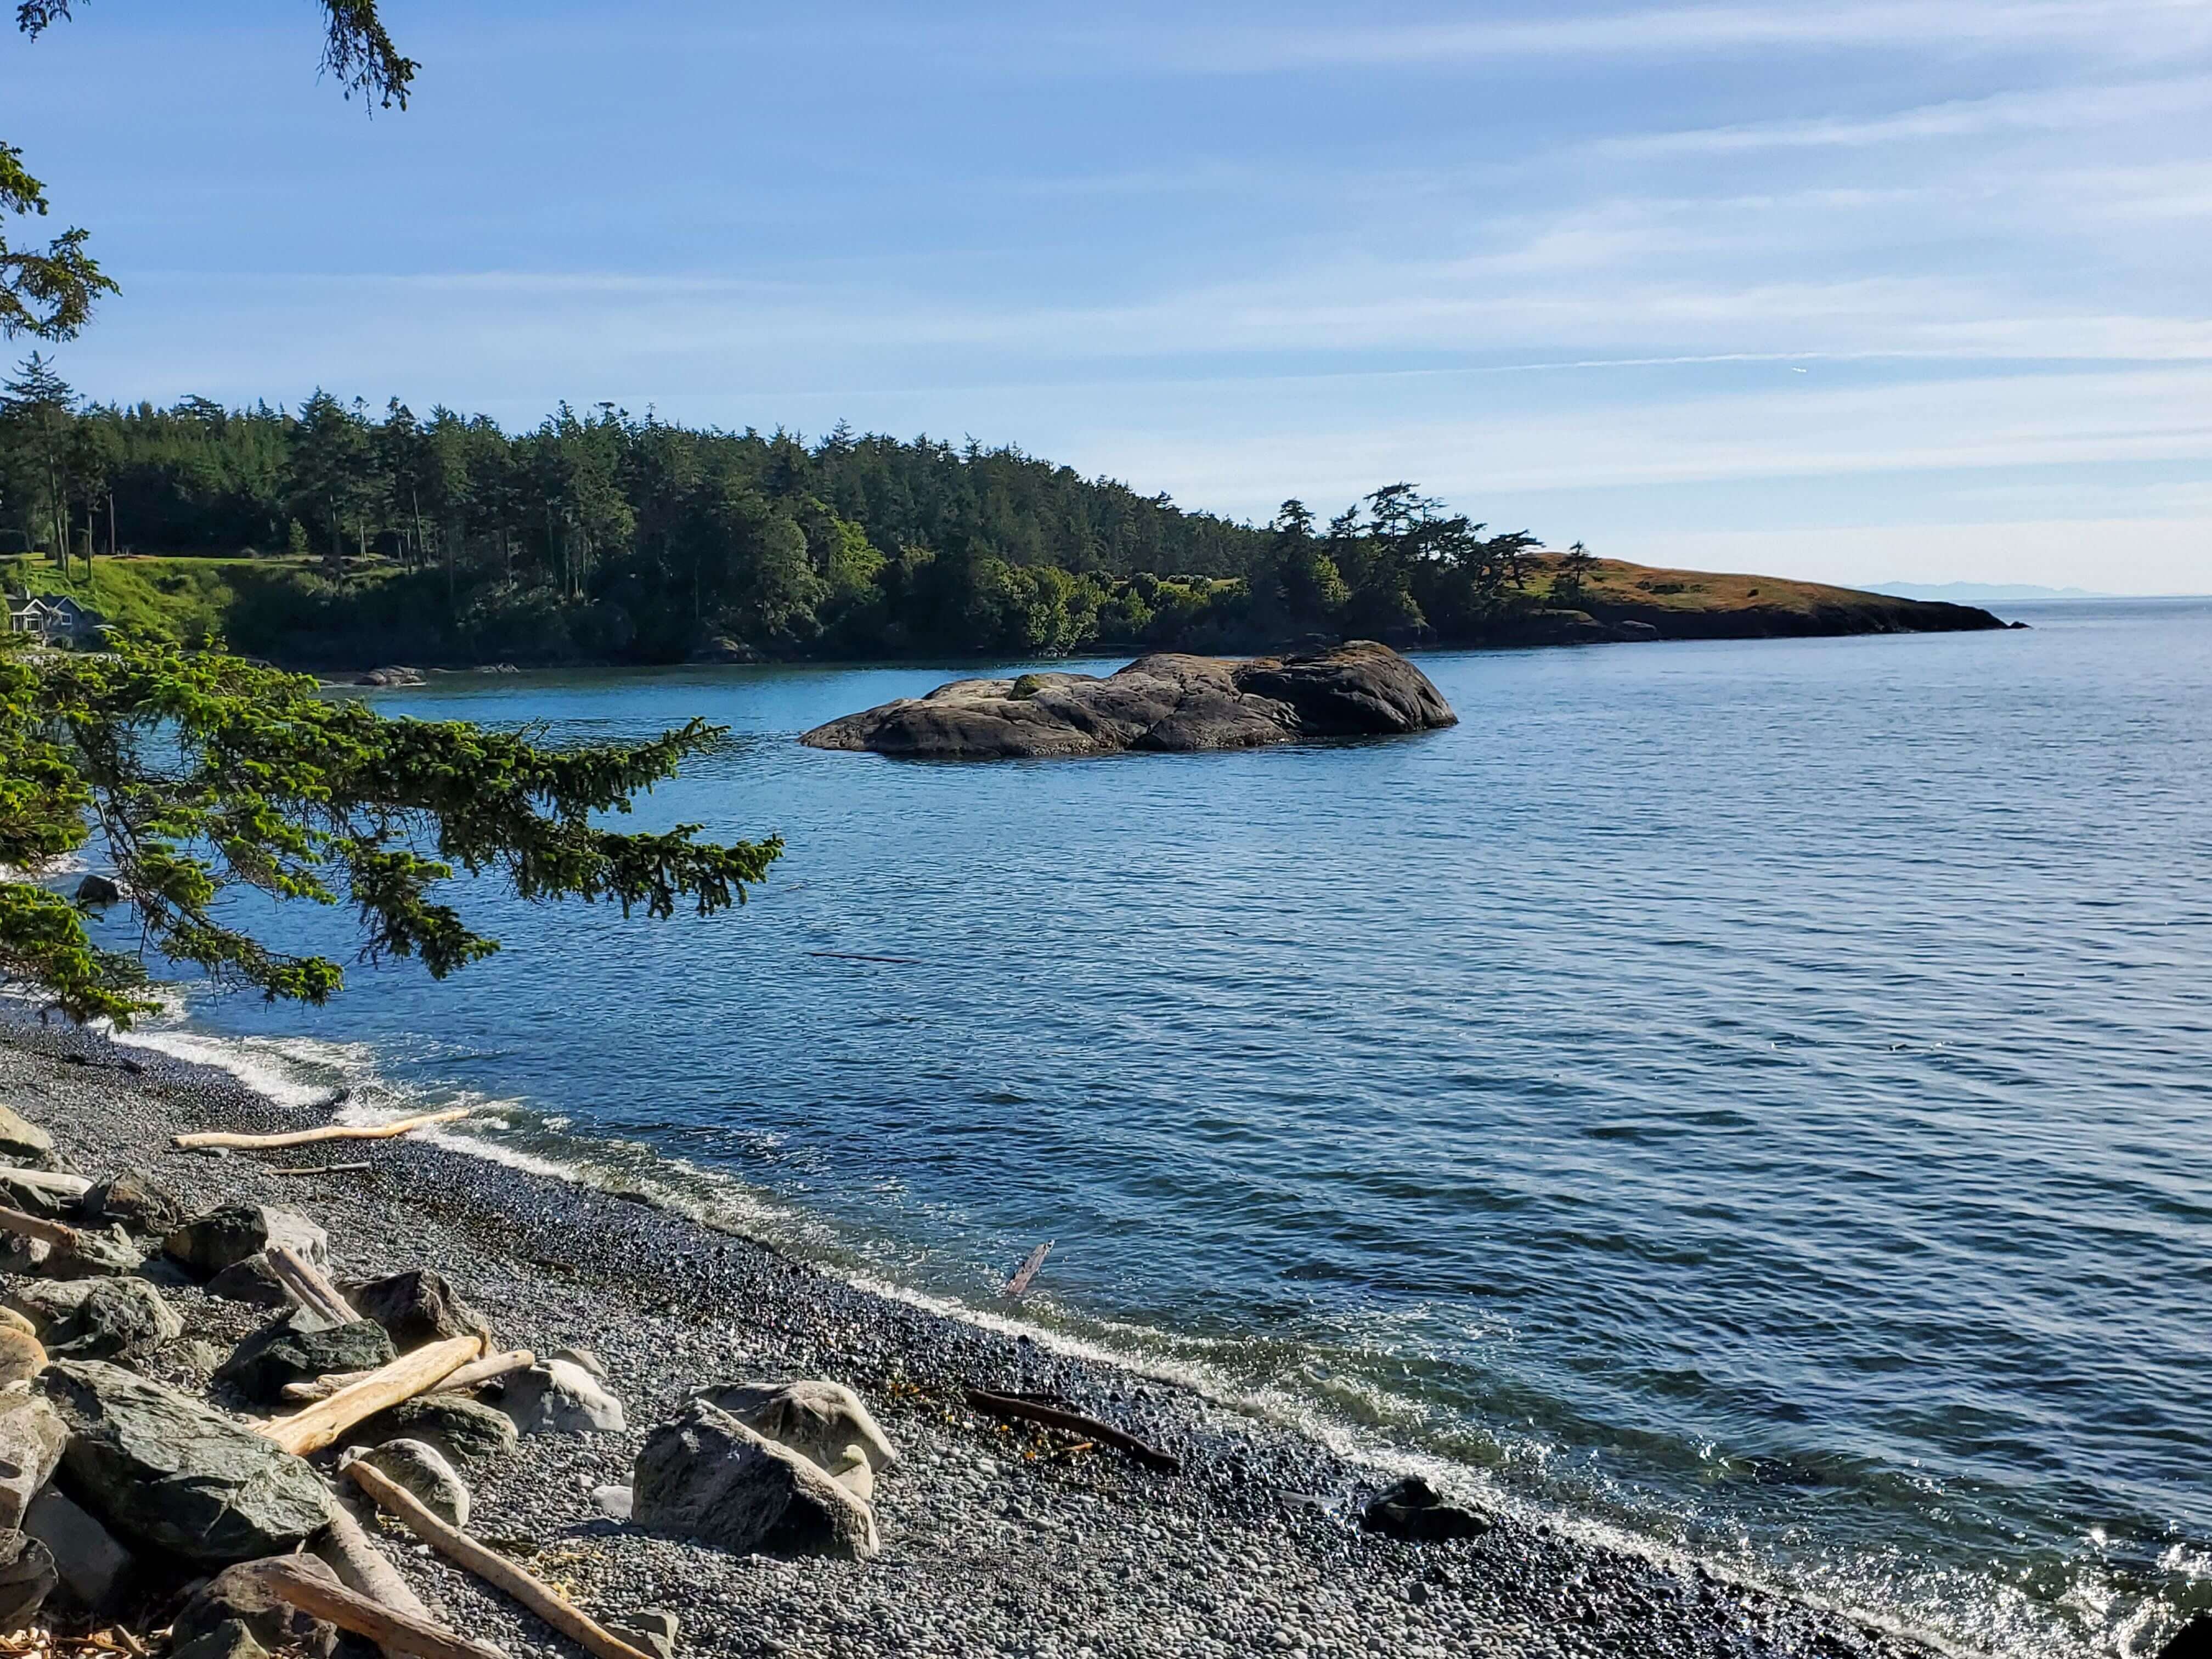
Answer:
(294, 1072)
(301, 1073)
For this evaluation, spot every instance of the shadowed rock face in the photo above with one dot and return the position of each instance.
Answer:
(1165, 703)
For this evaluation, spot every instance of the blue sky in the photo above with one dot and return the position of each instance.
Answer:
(1849, 290)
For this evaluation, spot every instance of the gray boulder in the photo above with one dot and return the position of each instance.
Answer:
(299, 1348)
(466, 1431)
(819, 1420)
(239, 1595)
(136, 1201)
(162, 1469)
(96, 1571)
(251, 1281)
(96, 1253)
(650, 1629)
(31, 1435)
(422, 1468)
(98, 1318)
(98, 890)
(228, 1640)
(224, 1237)
(709, 1477)
(28, 1577)
(1165, 701)
(24, 1143)
(417, 1307)
(585, 1359)
(1415, 1511)
(47, 1192)
(561, 1397)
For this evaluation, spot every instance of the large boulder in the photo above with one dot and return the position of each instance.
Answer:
(228, 1640)
(98, 1318)
(465, 1430)
(561, 1397)
(251, 1281)
(163, 1469)
(24, 1143)
(649, 1630)
(96, 1571)
(224, 1237)
(28, 1577)
(423, 1470)
(709, 1477)
(242, 1594)
(31, 1435)
(1417, 1512)
(136, 1201)
(825, 1422)
(50, 1194)
(96, 1252)
(300, 1348)
(1168, 701)
(417, 1307)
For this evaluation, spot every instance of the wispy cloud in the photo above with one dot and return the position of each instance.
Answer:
(2144, 28)
(2058, 110)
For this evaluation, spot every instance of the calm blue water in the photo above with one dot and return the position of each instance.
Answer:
(1755, 1096)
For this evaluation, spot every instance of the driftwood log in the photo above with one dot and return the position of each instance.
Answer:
(410, 1374)
(474, 1374)
(465, 1553)
(306, 1285)
(1052, 1417)
(1018, 1285)
(315, 1137)
(55, 1183)
(490, 1368)
(390, 1629)
(61, 1236)
(348, 1551)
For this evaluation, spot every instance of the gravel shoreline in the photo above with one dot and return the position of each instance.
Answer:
(988, 1550)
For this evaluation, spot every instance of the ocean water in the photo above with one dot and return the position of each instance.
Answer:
(1751, 1097)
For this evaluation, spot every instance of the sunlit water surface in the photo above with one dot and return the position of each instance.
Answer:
(1753, 1096)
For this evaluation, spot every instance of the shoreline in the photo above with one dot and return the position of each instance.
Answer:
(1254, 1547)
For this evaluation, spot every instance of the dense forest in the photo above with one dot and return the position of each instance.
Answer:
(601, 536)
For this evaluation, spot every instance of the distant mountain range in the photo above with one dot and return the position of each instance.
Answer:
(1982, 592)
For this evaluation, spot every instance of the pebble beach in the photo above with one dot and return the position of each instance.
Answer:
(997, 1538)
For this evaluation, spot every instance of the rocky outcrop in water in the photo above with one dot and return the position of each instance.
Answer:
(1163, 702)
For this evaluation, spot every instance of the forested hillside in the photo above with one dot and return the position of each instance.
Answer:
(600, 536)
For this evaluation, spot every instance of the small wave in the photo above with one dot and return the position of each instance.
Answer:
(1356, 1416)
(294, 1072)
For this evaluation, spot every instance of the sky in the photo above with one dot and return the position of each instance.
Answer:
(1855, 290)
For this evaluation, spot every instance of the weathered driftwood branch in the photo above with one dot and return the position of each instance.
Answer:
(307, 1286)
(326, 1169)
(1019, 1285)
(321, 1387)
(410, 1374)
(491, 1367)
(464, 1552)
(55, 1181)
(57, 1234)
(390, 1629)
(473, 1375)
(347, 1549)
(328, 1132)
(1029, 1411)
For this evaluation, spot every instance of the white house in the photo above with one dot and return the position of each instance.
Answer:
(53, 619)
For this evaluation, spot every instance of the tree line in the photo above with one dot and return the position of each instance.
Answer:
(600, 535)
